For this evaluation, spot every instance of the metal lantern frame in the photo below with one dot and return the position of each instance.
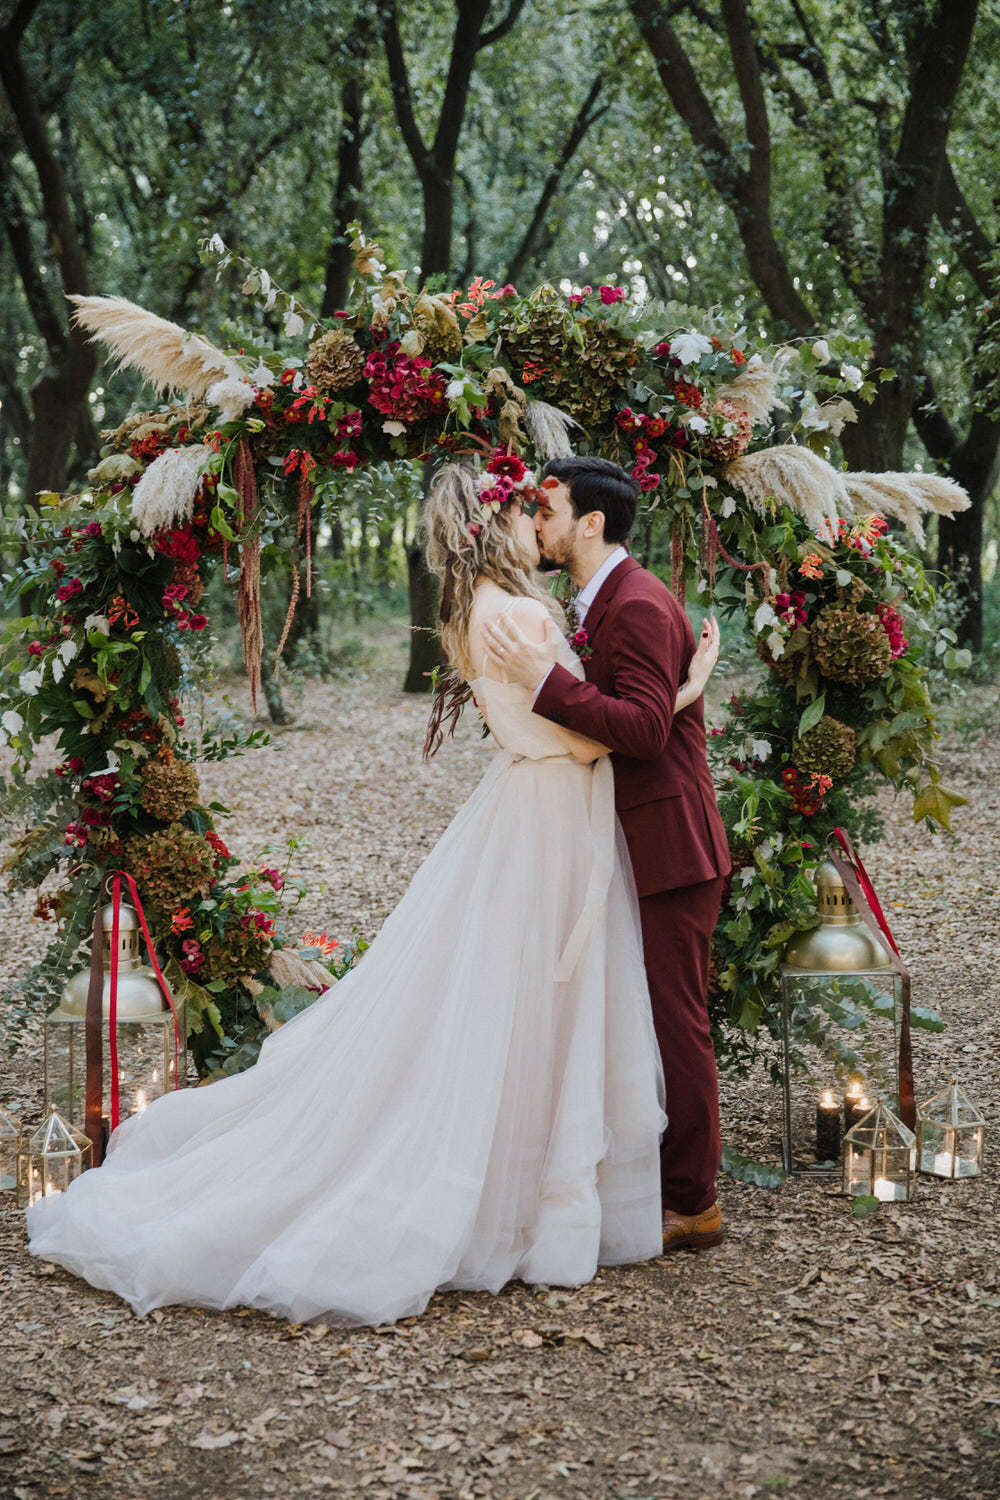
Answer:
(51, 1158)
(146, 1065)
(879, 1158)
(950, 1134)
(793, 982)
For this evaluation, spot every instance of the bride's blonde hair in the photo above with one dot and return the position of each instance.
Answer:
(463, 545)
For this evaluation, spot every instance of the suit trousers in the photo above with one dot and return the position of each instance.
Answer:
(677, 929)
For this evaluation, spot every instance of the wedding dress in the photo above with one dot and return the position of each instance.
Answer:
(479, 1100)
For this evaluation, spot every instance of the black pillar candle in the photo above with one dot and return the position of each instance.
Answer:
(828, 1128)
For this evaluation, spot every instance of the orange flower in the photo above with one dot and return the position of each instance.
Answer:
(811, 566)
(181, 920)
(325, 945)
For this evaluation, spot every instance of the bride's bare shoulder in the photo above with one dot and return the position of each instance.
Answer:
(491, 600)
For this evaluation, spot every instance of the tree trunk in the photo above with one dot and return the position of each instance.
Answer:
(346, 196)
(425, 649)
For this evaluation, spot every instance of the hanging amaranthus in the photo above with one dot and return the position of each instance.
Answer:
(248, 595)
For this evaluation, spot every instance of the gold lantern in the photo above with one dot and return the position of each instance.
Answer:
(10, 1145)
(50, 1160)
(950, 1134)
(144, 1031)
(880, 1157)
(818, 967)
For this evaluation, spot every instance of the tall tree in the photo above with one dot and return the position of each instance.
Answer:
(883, 256)
(58, 410)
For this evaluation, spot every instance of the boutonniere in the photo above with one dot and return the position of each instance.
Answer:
(580, 642)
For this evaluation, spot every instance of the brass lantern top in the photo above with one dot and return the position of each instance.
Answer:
(841, 943)
(880, 1129)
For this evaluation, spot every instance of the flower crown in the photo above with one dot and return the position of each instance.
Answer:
(505, 478)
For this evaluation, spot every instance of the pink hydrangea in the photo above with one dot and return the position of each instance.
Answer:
(892, 624)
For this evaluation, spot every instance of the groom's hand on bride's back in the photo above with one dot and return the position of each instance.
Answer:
(521, 655)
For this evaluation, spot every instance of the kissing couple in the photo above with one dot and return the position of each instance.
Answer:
(485, 1097)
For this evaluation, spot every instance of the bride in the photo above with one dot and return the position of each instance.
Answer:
(480, 1100)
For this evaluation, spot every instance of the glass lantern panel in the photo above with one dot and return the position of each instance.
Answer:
(857, 1171)
(66, 1067)
(10, 1141)
(145, 1062)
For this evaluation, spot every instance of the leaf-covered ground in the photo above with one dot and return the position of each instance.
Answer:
(812, 1353)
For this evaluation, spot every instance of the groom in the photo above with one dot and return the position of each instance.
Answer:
(638, 648)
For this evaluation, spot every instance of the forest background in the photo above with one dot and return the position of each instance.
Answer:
(806, 167)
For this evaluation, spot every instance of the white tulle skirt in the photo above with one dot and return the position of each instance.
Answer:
(456, 1112)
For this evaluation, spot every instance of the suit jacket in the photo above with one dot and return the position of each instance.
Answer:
(642, 644)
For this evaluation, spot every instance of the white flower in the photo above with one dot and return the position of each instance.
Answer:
(411, 343)
(755, 361)
(293, 324)
(812, 416)
(689, 347)
(776, 644)
(68, 649)
(764, 616)
(760, 749)
(262, 376)
(821, 349)
(217, 245)
(728, 507)
(697, 424)
(58, 669)
(454, 389)
(394, 429)
(852, 375)
(748, 875)
(30, 681)
(12, 721)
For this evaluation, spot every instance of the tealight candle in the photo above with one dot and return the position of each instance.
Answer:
(827, 1127)
(887, 1191)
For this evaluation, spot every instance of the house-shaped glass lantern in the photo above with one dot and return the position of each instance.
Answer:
(880, 1157)
(950, 1134)
(147, 1066)
(50, 1160)
(10, 1145)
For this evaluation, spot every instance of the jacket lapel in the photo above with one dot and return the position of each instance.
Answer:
(595, 614)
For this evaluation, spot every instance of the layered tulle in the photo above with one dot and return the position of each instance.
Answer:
(475, 1102)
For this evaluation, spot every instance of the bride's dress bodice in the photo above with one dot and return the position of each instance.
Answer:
(508, 708)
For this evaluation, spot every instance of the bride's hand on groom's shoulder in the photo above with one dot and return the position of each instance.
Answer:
(706, 654)
(524, 656)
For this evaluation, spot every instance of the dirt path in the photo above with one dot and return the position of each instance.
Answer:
(812, 1353)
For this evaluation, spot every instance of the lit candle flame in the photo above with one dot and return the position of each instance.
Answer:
(854, 1089)
(140, 1102)
(827, 1100)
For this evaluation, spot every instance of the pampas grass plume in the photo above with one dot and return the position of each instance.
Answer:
(168, 357)
(166, 492)
(794, 476)
(548, 428)
(755, 391)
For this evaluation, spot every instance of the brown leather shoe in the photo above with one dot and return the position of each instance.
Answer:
(692, 1231)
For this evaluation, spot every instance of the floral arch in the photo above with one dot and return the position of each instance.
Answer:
(728, 443)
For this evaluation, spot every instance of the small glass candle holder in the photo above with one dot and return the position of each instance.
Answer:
(879, 1157)
(52, 1158)
(950, 1132)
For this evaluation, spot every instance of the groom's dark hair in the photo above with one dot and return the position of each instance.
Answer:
(598, 484)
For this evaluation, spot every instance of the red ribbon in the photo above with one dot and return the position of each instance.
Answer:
(116, 901)
(864, 880)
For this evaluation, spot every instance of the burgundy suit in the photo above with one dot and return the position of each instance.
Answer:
(642, 645)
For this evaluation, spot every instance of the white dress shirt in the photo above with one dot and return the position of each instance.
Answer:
(590, 591)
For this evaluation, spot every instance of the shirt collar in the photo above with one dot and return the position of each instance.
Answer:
(589, 592)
